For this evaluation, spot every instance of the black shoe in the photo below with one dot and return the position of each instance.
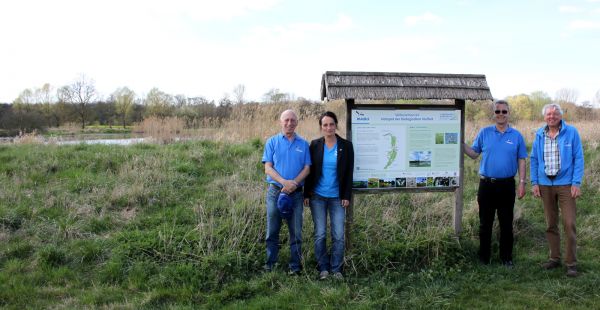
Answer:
(509, 264)
(551, 264)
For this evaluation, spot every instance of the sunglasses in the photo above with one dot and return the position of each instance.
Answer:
(501, 111)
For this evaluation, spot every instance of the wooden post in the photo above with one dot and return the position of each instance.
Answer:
(350, 208)
(458, 194)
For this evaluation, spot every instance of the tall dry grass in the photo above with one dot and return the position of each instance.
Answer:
(588, 130)
(261, 121)
(251, 121)
(162, 130)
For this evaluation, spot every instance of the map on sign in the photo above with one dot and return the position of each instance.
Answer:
(398, 148)
(393, 152)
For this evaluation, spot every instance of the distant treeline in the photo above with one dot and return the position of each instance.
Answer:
(38, 110)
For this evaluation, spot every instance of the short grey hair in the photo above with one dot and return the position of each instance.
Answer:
(552, 105)
(501, 101)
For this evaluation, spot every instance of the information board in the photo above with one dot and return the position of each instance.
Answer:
(402, 148)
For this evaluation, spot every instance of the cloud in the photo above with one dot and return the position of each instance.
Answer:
(584, 24)
(427, 17)
(569, 9)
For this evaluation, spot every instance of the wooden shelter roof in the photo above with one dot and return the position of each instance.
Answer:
(396, 85)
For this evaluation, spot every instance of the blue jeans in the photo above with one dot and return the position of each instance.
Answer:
(274, 226)
(319, 207)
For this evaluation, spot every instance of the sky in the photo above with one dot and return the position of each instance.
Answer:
(206, 48)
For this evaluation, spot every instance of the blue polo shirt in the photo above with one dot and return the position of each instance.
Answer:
(500, 151)
(288, 157)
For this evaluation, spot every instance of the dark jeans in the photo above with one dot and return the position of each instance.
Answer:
(495, 197)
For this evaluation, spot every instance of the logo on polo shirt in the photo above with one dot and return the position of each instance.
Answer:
(298, 149)
(509, 142)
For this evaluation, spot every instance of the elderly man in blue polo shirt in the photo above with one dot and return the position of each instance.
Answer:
(287, 163)
(504, 153)
(556, 175)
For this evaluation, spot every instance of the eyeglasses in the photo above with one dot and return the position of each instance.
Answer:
(501, 111)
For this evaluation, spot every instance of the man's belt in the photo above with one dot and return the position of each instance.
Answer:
(298, 189)
(496, 180)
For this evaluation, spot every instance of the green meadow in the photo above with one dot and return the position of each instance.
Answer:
(182, 226)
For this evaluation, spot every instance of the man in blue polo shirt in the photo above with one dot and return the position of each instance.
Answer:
(287, 164)
(504, 154)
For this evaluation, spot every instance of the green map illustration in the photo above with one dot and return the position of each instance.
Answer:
(391, 155)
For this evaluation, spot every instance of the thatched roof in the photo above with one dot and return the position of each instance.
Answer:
(390, 86)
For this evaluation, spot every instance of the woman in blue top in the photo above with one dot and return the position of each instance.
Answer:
(328, 190)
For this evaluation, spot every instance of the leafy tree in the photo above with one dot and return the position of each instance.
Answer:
(539, 99)
(159, 104)
(521, 107)
(45, 98)
(124, 100)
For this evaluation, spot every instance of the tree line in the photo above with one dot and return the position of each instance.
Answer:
(80, 103)
(529, 106)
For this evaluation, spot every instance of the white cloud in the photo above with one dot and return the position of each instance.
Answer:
(584, 24)
(427, 17)
(593, 1)
(569, 9)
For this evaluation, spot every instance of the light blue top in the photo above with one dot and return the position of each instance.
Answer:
(328, 185)
(288, 157)
(500, 151)
(571, 158)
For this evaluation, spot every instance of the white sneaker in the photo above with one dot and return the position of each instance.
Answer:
(338, 276)
(323, 275)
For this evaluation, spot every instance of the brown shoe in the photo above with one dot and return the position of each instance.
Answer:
(572, 271)
(551, 264)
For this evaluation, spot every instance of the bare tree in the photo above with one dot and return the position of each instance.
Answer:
(597, 99)
(80, 93)
(238, 93)
(180, 101)
(567, 95)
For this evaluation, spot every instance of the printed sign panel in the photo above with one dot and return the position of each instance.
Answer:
(405, 148)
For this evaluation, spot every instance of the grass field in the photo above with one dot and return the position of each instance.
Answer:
(182, 226)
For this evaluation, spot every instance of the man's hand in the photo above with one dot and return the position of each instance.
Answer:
(345, 203)
(535, 190)
(289, 186)
(575, 191)
(521, 190)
